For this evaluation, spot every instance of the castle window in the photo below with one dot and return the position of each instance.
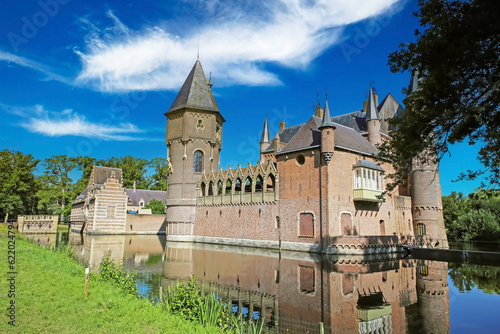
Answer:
(300, 159)
(199, 125)
(259, 184)
(270, 183)
(248, 185)
(229, 187)
(198, 162)
(211, 189)
(306, 225)
(420, 229)
(111, 211)
(237, 186)
(368, 181)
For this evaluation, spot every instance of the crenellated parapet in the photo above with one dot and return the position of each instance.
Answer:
(242, 185)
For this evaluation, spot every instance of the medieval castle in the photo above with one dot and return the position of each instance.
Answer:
(317, 186)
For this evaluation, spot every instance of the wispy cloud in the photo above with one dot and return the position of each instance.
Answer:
(25, 62)
(37, 119)
(237, 43)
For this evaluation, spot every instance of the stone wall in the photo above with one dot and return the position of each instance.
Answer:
(145, 224)
(37, 223)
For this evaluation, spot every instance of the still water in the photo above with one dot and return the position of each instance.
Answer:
(295, 292)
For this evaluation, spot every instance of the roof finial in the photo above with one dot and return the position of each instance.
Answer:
(198, 55)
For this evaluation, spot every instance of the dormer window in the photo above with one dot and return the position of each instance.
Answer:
(368, 181)
(141, 203)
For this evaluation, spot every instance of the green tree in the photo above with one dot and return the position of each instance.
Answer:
(475, 217)
(157, 207)
(159, 179)
(18, 183)
(457, 56)
(57, 169)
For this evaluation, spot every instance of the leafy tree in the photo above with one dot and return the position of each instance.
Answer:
(476, 217)
(457, 56)
(157, 207)
(18, 184)
(159, 179)
(57, 169)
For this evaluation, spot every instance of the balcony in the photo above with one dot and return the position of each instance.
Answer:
(368, 195)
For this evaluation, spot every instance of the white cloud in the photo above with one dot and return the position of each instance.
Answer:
(25, 62)
(237, 41)
(37, 119)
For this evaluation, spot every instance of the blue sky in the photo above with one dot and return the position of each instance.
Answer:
(95, 77)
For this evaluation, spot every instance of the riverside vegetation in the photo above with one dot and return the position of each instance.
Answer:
(50, 299)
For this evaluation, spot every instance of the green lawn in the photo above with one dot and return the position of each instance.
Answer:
(50, 298)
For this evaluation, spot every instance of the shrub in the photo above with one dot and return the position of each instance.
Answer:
(118, 274)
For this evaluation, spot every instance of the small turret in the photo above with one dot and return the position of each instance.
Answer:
(373, 120)
(264, 140)
(327, 129)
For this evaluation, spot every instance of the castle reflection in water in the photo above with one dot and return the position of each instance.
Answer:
(295, 292)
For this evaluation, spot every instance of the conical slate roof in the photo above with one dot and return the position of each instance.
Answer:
(327, 120)
(265, 133)
(371, 111)
(413, 87)
(195, 93)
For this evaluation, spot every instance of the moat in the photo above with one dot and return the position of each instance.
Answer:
(295, 292)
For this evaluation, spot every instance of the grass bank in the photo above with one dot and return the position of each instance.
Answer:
(49, 298)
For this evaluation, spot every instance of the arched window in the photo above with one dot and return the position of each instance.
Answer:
(270, 182)
(211, 189)
(228, 187)
(219, 188)
(248, 185)
(198, 162)
(259, 184)
(202, 189)
(237, 186)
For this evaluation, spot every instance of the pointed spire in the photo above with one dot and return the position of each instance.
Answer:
(413, 87)
(327, 120)
(195, 93)
(371, 110)
(265, 133)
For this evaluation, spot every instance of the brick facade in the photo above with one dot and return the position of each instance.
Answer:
(326, 183)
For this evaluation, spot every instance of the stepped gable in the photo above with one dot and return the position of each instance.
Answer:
(101, 174)
(195, 93)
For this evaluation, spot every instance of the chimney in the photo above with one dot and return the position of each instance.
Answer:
(133, 187)
(282, 126)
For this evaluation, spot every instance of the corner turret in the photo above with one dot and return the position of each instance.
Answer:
(373, 120)
(425, 191)
(327, 129)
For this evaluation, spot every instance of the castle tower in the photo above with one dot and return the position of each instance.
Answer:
(425, 192)
(327, 129)
(194, 142)
(264, 140)
(373, 120)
